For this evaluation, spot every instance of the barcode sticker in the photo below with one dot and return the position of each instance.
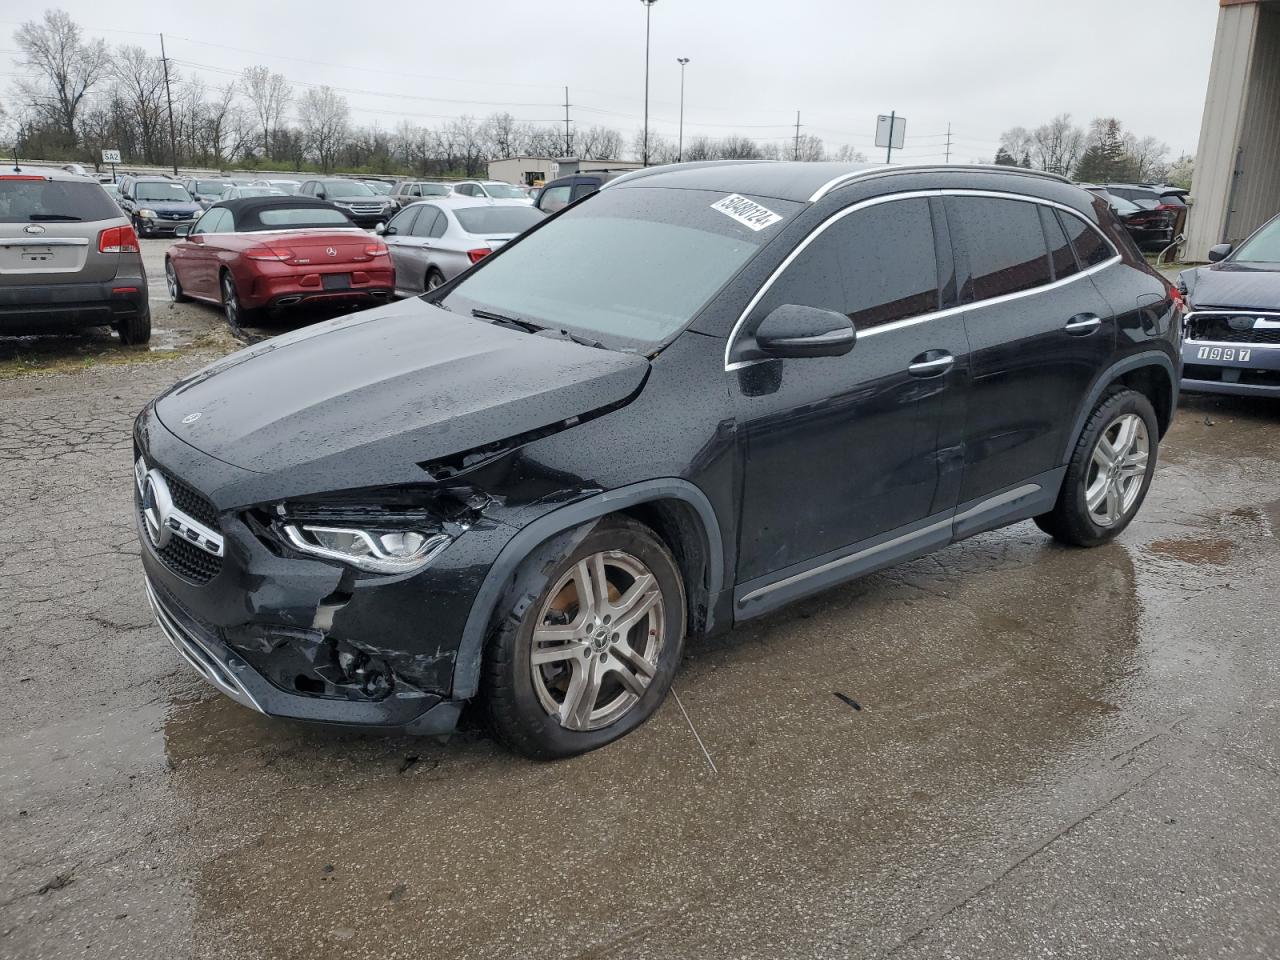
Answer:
(747, 212)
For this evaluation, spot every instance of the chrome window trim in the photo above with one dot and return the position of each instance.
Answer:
(821, 228)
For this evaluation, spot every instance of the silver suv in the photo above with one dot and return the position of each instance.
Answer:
(69, 258)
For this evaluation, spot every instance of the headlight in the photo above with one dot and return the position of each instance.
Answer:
(398, 551)
(146, 214)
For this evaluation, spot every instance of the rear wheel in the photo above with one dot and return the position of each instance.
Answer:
(236, 313)
(136, 329)
(588, 651)
(434, 279)
(173, 283)
(1108, 474)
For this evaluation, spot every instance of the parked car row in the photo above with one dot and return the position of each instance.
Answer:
(1153, 214)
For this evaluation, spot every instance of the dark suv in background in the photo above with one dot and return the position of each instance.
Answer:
(156, 205)
(68, 258)
(696, 396)
(557, 194)
(357, 200)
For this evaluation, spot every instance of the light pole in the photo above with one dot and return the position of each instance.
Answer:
(684, 62)
(648, 7)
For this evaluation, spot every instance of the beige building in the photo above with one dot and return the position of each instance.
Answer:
(531, 170)
(1237, 173)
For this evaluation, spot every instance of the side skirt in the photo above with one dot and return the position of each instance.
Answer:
(1018, 502)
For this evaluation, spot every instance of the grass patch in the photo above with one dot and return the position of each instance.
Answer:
(75, 353)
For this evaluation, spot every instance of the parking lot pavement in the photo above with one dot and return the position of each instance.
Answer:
(1058, 753)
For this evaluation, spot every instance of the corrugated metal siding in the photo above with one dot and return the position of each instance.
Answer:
(1258, 195)
(1221, 127)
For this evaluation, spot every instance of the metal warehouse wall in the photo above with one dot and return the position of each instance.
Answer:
(1258, 192)
(1241, 125)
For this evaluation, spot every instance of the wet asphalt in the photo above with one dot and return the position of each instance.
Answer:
(1009, 749)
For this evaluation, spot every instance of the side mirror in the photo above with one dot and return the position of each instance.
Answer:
(320, 195)
(182, 230)
(382, 229)
(792, 330)
(1219, 252)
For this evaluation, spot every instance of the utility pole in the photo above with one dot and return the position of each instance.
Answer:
(797, 147)
(173, 137)
(948, 143)
(568, 137)
(684, 62)
(648, 8)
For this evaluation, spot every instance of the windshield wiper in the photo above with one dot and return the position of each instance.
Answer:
(55, 216)
(576, 338)
(516, 322)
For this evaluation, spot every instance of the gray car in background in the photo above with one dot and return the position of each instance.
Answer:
(433, 241)
(69, 258)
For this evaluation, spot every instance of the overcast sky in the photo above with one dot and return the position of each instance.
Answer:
(980, 65)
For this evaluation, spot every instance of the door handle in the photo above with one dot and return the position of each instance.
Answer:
(934, 363)
(1083, 324)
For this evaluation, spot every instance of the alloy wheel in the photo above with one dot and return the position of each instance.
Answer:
(229, 301)
(597, 640)
(171, 280)
(1117, 469)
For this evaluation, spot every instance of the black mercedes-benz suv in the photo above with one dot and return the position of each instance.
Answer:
(680, 403)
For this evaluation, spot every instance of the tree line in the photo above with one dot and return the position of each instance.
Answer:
(1103, 152)
(77, 95)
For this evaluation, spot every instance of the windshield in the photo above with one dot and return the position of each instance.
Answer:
(169, 192)
(436, 190)
(380, 188)
(212, 188)
(490, 220)
(259, 192)
(504, 191)
(628, 267)
(1263, 246)
(346, 188)
(23, 200)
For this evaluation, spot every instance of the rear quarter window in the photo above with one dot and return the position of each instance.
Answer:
(24, 201)
(1005, 244)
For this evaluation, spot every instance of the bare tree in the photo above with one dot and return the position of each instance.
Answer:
(1057, 145)
(67, 67)
(599, 143)
(139, 79)
(270, 94)
(228, 127)
(503, 135)
(1147, 156)
(847, 154)
(324, 116)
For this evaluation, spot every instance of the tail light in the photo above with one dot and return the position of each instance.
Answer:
(118, 240)
(376, 250)
(1169, 206)
(478, 254)
(270, 252)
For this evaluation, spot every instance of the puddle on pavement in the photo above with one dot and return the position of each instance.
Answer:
(1194, 550)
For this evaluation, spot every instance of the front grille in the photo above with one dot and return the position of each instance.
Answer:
(366, 208)
(190, 562)
(190, 502)
(1217, 328)
(187, 560)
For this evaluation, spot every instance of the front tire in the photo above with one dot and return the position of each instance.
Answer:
(588, 646)
(1109, 472)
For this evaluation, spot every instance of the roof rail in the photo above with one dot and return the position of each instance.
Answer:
(667, 167)
(893, 170)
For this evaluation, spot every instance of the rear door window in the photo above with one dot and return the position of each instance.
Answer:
(426, 221)
(1061, 255)
(584, 187)
(1004, 242)
(1091, 246)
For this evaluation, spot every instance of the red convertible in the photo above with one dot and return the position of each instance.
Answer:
(271, 253)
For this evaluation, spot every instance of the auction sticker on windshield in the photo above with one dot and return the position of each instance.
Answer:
(747, 212)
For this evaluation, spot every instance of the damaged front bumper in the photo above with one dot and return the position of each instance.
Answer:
(295, 637)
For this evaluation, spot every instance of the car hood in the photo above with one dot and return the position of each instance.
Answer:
(1233, 285)
(364, 400)
(168, 206)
